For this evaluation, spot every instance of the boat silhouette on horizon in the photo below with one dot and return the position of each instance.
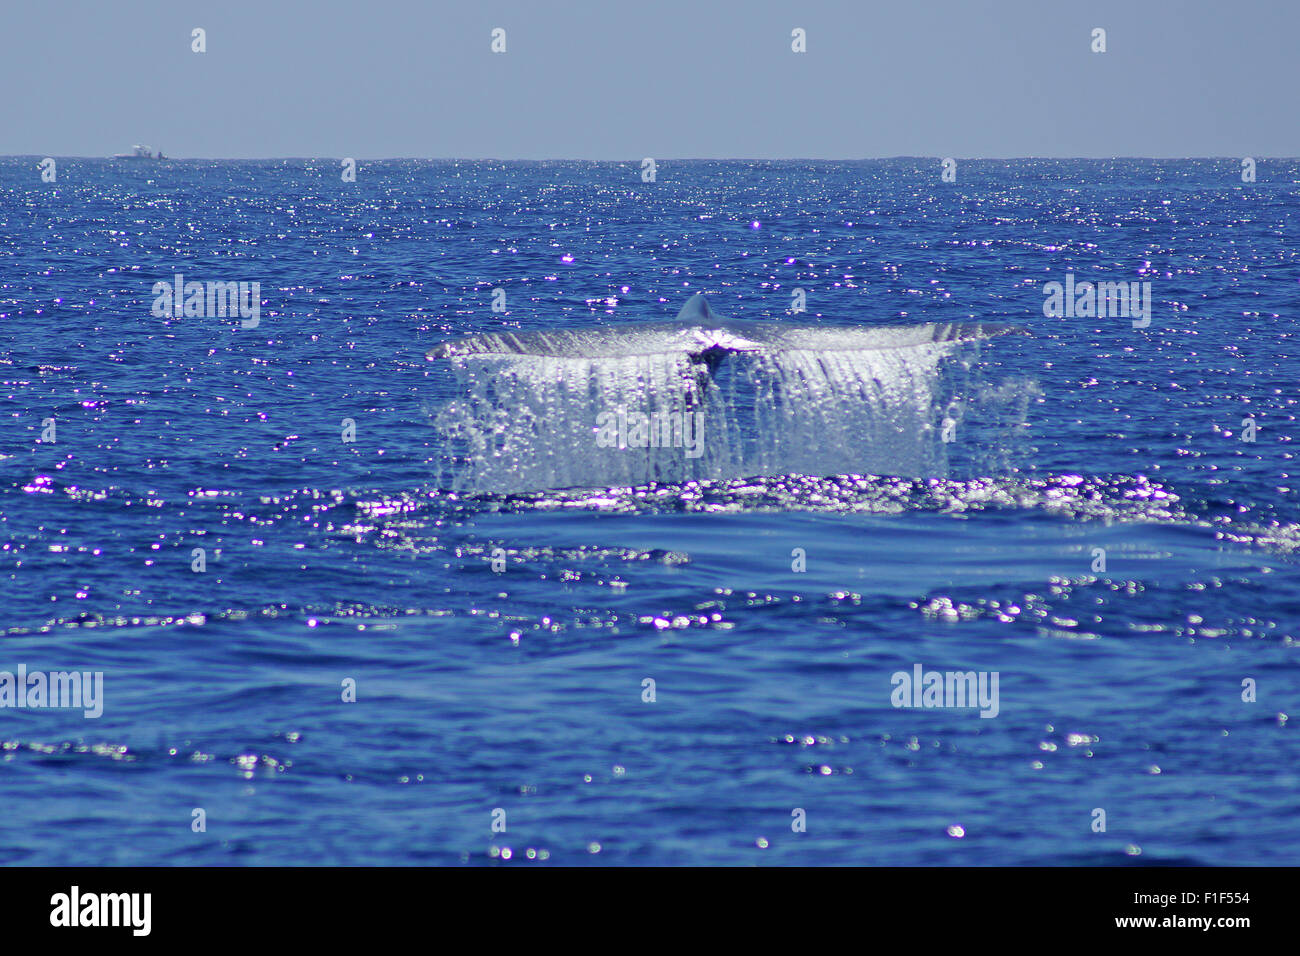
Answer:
(140, 152)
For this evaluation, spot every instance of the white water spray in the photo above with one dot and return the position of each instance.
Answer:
(771, 399)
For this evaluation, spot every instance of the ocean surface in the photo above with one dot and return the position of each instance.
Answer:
(1111, 528)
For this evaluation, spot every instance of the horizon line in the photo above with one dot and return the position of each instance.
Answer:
(657, 159)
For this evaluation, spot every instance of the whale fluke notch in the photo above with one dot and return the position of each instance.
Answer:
(707, 338)
(697, 309)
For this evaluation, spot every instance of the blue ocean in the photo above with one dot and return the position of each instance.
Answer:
(350, 605)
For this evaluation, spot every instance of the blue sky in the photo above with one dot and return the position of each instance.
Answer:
(624, 79)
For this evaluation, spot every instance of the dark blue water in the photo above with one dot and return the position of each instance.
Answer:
(521, 689)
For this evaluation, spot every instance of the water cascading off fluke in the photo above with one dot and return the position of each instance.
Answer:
(700, 397)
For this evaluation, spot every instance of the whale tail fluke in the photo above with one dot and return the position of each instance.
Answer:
(707, 338)
(706, 396)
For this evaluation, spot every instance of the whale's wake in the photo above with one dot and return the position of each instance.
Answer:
(709, 398)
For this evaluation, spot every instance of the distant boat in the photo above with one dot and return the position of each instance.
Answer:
(140, 152)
